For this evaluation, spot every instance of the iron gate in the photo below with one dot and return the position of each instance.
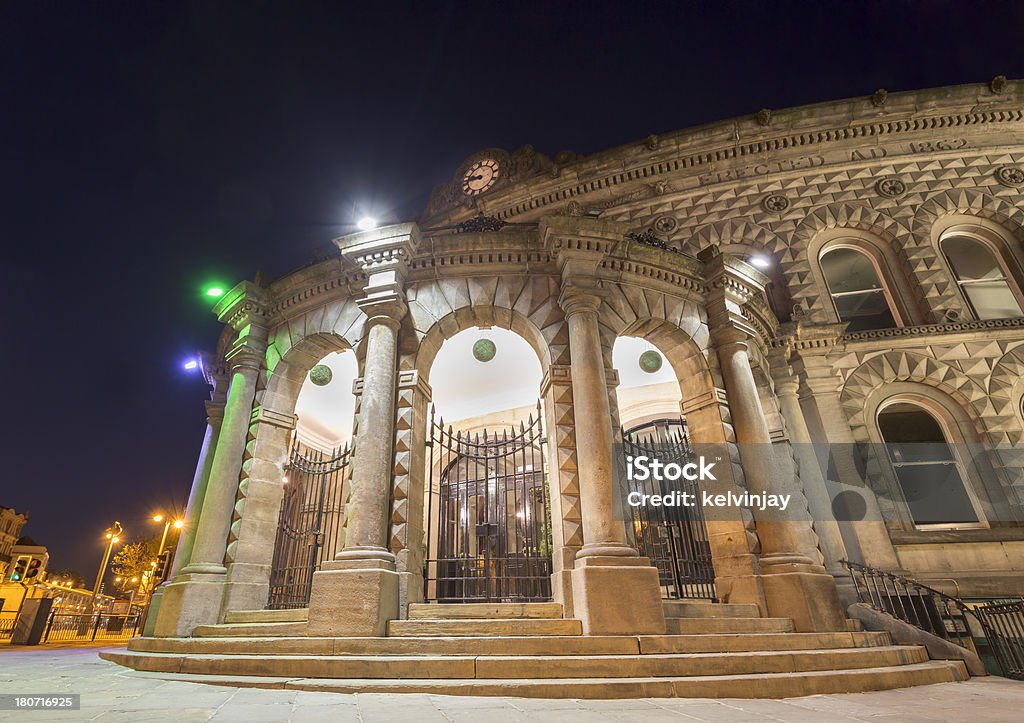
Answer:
(676, 540)
(309, 526)
(489, 531)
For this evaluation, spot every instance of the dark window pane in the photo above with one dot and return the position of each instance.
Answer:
(970, 259)
(935, 494)
(925, 466)
(848, 270)
(864, 311)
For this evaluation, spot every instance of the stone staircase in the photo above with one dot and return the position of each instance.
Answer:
(530, 650)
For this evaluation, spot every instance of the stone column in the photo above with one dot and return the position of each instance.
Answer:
(195, 595)
(216, 376)
(358, 593)
(795, 584)
(819, 501)
(614, 590)
(250, 553)
(407, 533)
(867, 539)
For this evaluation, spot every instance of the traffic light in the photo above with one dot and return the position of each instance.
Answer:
(162, 564)
(33, 567)
(20, 568)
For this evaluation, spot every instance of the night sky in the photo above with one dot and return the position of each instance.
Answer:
(150, 148)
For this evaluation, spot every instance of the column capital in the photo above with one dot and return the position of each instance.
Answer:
(580, 296)
(381, 247)
(388, 310)
(242, 307)
(246, 353)
(383, 254)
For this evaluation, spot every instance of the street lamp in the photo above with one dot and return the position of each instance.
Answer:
(113, 536)
(177, 524)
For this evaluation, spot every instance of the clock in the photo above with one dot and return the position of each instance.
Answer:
(480, 177)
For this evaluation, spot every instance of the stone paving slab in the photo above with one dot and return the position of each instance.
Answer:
(112, 693)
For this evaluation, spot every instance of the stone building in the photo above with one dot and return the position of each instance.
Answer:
(829, 286)
(11, 523)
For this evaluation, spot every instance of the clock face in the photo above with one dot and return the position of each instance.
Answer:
(480, 177)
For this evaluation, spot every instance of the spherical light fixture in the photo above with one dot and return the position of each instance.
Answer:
(321, 375)
(366, 223)
(760, 262)
(650, 361)
(484, 350)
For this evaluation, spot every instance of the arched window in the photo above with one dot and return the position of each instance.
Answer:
(926, 466)
(855, 285)
(982, 276)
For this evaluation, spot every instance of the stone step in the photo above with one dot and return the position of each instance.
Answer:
(505, 646)
(483, 627)
(463, 611)
(765, 685)
(708, 609)
(250, 630)
(295, 615)
(526, 667)
(698, 626)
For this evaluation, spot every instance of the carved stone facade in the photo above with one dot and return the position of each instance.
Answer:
(708, 243)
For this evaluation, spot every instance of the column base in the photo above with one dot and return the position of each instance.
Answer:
(152, 611)
(353, 599)
(617, 596)
(247, 588)
(187, 602)
(809, 598)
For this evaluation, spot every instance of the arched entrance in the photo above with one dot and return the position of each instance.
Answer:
(488, 531)
(311, 519)
(674, 539)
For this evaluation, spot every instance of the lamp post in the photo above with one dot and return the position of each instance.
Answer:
(113, 536)
(177, 524)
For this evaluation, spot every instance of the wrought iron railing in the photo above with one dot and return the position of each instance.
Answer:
(1001, 623)
(7, 622)
(86, 627)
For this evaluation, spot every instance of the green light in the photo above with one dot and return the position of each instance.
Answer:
(215, 291)
(15, 577)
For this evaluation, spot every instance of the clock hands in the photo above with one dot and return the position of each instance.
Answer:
(477, 177)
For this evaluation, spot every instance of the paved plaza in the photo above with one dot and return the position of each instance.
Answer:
(112, 693)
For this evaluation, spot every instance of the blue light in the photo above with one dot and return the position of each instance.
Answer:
(191, 364)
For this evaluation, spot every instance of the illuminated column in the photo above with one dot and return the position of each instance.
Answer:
(194, 596)
(217, 376)
(795, 584)
(357, 593)
(614, 591)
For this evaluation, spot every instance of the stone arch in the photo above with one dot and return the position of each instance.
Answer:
(1005, 389)
(800, 264)
(925, 259)
(633, 307)
(906, 366)
(968, 202)
(442, 308)
(439, 309)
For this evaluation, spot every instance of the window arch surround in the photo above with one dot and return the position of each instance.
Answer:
(980, 487)
(973, 236)
(883, 258)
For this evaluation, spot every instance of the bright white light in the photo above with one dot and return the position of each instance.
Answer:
(760, 262)
(191, 364)
(367, 224)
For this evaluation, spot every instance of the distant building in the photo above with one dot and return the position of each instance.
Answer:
(11, 523)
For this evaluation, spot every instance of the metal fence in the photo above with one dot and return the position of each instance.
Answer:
(999, 630)
(7, 621)
(1003, 623)
(78, 627)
